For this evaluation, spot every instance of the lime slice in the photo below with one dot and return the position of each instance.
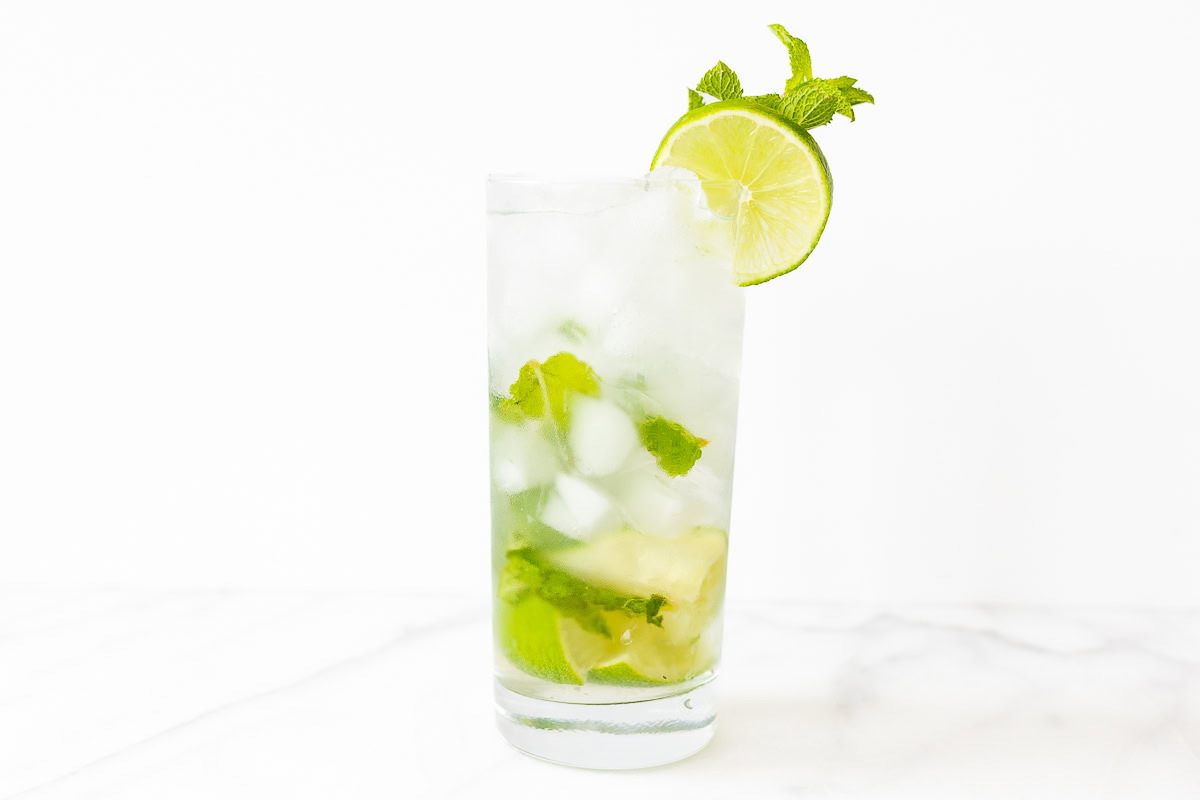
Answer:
(649, 656)
(761, 171)
(537, 640)
(680, 568)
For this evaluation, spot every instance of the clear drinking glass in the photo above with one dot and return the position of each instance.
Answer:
(614, 347)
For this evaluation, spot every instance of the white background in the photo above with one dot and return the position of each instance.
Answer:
(242, 280)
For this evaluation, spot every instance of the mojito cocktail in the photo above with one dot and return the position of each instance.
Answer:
(614, 349)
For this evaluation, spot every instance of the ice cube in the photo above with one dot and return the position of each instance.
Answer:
(649, 500)
(521, 457)
(706, 495)
(601, 437)
(577, 508)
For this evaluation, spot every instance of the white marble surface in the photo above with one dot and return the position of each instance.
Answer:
(255, 695)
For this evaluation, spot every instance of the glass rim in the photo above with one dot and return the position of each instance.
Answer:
(527, 179)
(521, 193)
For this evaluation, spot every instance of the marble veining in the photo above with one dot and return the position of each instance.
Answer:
(116, 694)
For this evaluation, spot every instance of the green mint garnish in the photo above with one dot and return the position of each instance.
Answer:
(798, 55)
(770, 101)
(813, 103)
(541, 388)
(721, 82)
(525, 571)
(674, 447)
(857, 96)
(807, 101)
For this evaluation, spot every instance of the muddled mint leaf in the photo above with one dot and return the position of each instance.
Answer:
(653, 606)
(525, 395)
(571, 374)
(769, 101)
(721, 82)
(674, 447)
(695, 100)
(526, 571)
(541, 389)
(798, 57)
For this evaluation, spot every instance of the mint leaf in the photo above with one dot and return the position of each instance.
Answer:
(798, 56)
(541, 389)
(695, 100)
(856, 96)
(674, 447)
(845, 86)
(812, 104)
(721, 82)
(769, 101)
(525, 571)
(571, 373)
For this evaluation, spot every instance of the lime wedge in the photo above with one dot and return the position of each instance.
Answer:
(681, 568)
(537, 640)
(650, 666)
(650, 656)
(763, 172)
(624, 674)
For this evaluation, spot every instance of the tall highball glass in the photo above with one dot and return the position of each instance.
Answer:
(614, 347)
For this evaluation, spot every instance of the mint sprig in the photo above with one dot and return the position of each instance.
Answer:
(807, 101)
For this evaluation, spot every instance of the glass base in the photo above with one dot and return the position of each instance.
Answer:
(646, 733)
